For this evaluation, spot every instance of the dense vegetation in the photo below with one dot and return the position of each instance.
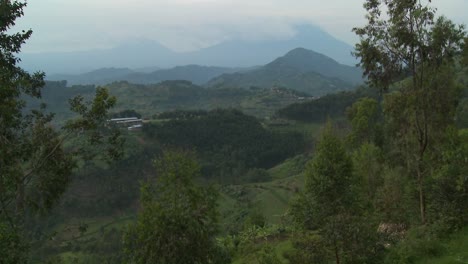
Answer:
(328, 106)
(228, 141)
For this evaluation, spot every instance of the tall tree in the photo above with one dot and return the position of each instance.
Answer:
(408, 48)
(178, 219)
(35, 167)
(330, 205)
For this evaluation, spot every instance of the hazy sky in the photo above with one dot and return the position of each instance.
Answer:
(67, 25)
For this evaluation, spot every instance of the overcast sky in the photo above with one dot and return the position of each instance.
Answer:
(182, 25)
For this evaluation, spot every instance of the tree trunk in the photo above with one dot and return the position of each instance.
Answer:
(422, 198)
(337, 256)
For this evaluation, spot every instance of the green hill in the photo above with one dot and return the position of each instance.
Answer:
(301, 70)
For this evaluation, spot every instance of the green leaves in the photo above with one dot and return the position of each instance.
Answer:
(331, 205)
(35, 166)
(413, 52)
(465, 53)
(178, 219)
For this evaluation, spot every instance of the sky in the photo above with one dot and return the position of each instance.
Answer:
(185, 25)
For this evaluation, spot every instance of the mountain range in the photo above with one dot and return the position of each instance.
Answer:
(299, 69)
(194, 73)
(232, 53)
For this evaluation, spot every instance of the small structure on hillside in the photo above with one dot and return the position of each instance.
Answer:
(131, 123)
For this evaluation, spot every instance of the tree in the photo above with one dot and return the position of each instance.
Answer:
(35, 167)
(412, 52)
(330, 204)
(178, 220)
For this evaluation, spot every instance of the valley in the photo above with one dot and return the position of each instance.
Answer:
(233, 132)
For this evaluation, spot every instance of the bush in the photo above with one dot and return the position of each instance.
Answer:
(421, 243)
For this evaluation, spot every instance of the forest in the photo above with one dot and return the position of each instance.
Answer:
(246, 168)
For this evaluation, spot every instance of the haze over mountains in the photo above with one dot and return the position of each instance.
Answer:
(233, 53)
(300, 69)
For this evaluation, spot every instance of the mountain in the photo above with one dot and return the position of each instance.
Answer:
(300, 69)
(242, 53)
(134, 54)
(311, 61)
(99, 76)
(235, 52)
(194, 73)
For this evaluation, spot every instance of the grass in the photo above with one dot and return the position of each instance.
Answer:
(290, 167)
(279, 248)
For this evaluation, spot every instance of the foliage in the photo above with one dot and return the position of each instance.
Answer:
(309, 248)
(411, 49)
(452, 250)
(420, 243)
(12, 247)
(364, 115)
(35, 166)
(462, 113)
(328, 106)
(450, 189)
(330, 204)
(267, 256)
(368, 160)
(178, 220)
(465, 53)
(228, 141)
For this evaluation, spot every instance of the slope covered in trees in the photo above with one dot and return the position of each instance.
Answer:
(228, 141)
(300, 69)
(328, 106)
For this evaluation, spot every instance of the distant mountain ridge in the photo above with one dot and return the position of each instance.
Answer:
(147, 53)
(99, 76)
(300, 69)
(194, 73)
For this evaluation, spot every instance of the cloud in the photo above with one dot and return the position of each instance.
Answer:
(189, 24)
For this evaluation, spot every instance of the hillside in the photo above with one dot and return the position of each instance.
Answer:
(152, 99)
(300, 69)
